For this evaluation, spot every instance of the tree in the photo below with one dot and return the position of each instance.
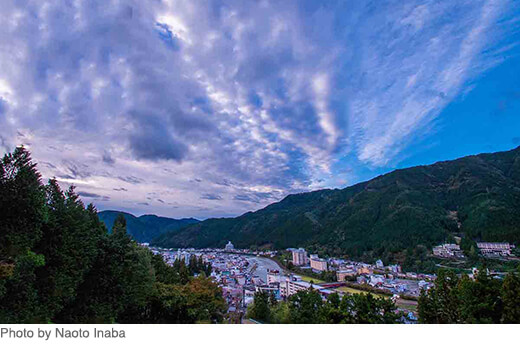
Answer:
(22, 203)
(305, 306)
(23, 212)
(441, 303)
(119, 225)
(367, 309)
(511, 298)
(59, 264)
(260, 309)
(480, 300)
(204, 299)
(332, 312)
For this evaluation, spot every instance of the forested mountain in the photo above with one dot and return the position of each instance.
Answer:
(59, 264)
(146, 227)
(393, 216)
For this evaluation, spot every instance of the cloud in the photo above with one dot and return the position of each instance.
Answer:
(131, 179)
(255, 99)
(93, 196)
(107, 158)
(209, 196)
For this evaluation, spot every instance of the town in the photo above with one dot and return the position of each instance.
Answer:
(243, 272)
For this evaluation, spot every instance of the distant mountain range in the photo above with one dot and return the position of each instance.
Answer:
(146, 227)
(475, 197)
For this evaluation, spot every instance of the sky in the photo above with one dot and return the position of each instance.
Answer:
(215, 108)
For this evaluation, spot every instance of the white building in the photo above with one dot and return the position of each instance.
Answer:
(229, 247)
(495, 248)
(274, 277)
(294, 284)
(299, 257)
(343, 275)
(376, 280)
(379, 264)
(448, 250)
(318, 264)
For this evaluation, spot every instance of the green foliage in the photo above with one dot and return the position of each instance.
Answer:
(308, 307)
(22, 202)
(146, 227)
(511, 298)
(59, 264)
(305, 307)
(395, 217)
(260, 308)
(205, 301)
(457, 299)
(469, 247)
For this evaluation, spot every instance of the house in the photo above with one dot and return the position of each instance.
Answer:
(294, 284)
(229, 247)
(376, 280)
(318, 264)
(364, 270)
(343, 275)
(299, 257)
(495, 249)
(448, 250)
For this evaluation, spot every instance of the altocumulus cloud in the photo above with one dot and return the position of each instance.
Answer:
(266, 96)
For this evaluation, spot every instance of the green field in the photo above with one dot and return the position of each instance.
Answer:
(358, 291)
(308, 279)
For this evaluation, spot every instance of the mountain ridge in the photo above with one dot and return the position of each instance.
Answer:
(147, 226)
(476, 197)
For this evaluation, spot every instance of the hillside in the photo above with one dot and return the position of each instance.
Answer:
(476, 197)
(146, 227)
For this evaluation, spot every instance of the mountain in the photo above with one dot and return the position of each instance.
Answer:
(399, 213)
(146, 227)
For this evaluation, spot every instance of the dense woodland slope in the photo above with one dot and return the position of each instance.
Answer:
(393, 216)
(146, 227)
(59, 264)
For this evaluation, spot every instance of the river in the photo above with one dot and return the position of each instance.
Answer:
(263, 264)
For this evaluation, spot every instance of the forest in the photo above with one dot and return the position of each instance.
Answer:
(308, 307)
(460, 299)
(397, 217)
(60, 264)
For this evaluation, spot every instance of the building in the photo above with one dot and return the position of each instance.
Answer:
(294, 284)
(271, 290)
(274, 277)
(394, 268)
(318, 264)
(343, 275)
(229, 247)
(364, 270)
(495, 249)
(379, 264)
(376, 280)
(299, 257)
(448, 250)
(182, 256)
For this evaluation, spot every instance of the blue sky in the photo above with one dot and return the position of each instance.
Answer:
(215, 108)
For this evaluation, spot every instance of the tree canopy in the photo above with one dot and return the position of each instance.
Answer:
(58, 262)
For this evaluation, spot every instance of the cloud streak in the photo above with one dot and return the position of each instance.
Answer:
(219, 107)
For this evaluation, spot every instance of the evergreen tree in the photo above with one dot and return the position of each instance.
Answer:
(23, 212)
(260, 309)
(59, 264)
(441, 303)
(511, 298)
(480, 300)
(305, 307)
(22, 203)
